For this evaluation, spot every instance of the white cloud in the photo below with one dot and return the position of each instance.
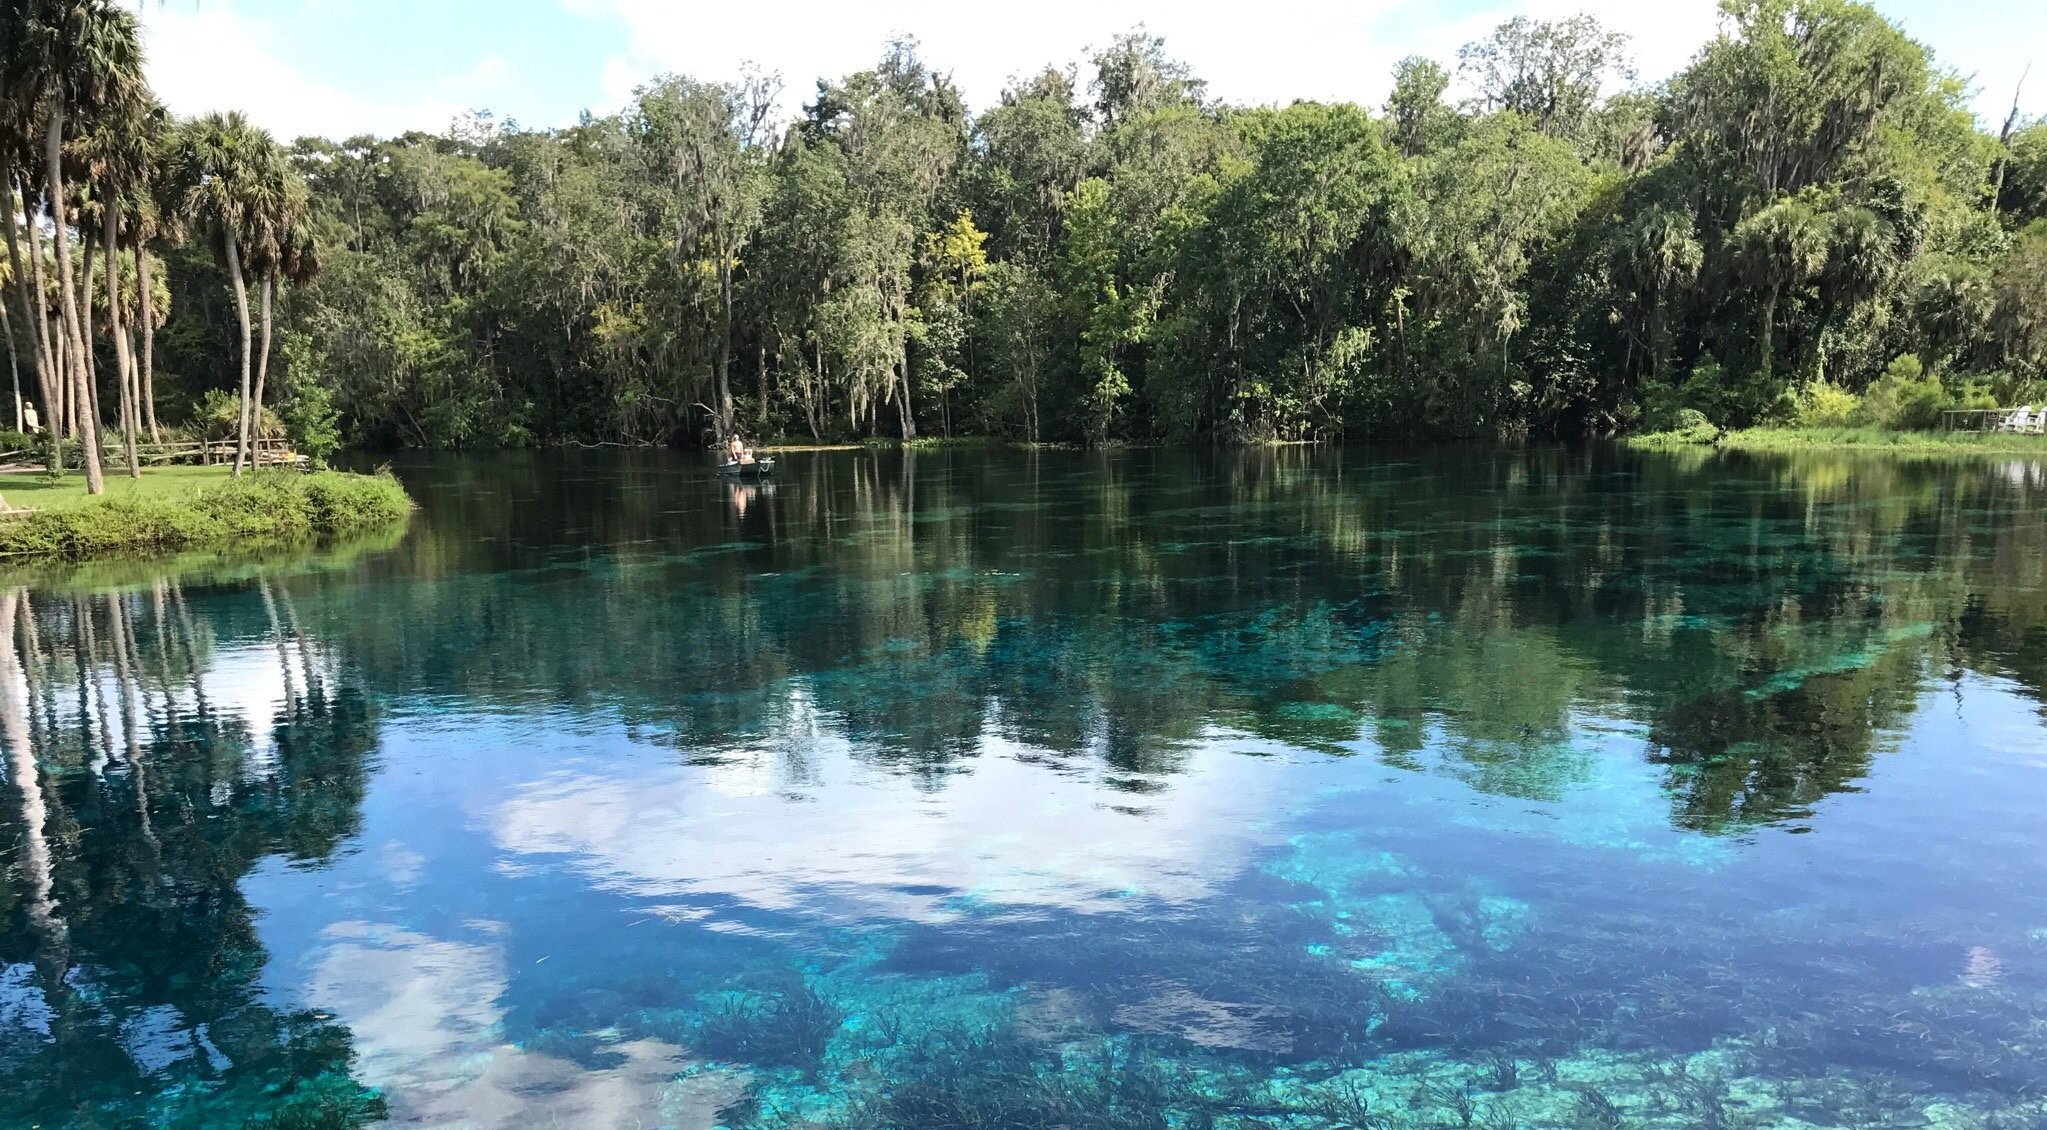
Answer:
(1292, 49)
(210, 57)
(219, 56)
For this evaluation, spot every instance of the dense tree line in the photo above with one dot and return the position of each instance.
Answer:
(1806, 212)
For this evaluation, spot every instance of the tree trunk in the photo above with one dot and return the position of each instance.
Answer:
(123, 363)
(723, 363)
(764, 389)
(814, 410)
(909, 419)
(1768, 341)
(262, 366)
(234, 271)
(31, 313)
(147, 316)
(91, 356)
(1656, 349)
(134, 380)
(74, 326)
(51, 357)
(13, 362)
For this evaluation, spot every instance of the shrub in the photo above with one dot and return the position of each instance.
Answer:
(1977, 395)
(1905, 398)
(1825, 405)
(218, 416)
(2010, 389)
(1688, 427)
(270, 505)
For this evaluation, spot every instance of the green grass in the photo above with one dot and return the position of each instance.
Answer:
(36, 491)
(1880, 439)
(1675, 439)
(179, 508)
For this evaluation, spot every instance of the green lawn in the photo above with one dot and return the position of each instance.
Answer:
(180, 508)
(1878, 439)
(35, 491)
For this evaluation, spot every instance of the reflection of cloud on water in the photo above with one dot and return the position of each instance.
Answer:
(415, 1003)
(25, 1016)
(248, 682)
(428, 1027)
(1008, 830)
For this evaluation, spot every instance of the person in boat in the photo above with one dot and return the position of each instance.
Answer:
(737, 450)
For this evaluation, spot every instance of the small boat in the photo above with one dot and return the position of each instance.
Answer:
(758, 469)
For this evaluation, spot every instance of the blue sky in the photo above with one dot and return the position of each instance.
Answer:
(348, 66)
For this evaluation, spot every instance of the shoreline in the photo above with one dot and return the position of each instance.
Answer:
(194, 511)
(1872, 440)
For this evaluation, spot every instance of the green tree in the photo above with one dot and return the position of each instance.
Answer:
(2019, 316)
(1422, 121)
(2022, 176)
(227, 173)
(1550, 72)
(710, 142)
(67, 62)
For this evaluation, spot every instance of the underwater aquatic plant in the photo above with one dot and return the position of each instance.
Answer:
(1001, 1078)
(787, 1024)
(1596, 1111)
(1501, 1073)
(1348, 1104)
(328, 1103)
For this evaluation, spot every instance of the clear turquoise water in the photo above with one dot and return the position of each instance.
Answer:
(1298, 789)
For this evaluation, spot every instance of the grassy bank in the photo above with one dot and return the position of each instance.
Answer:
(1845, 439)
(179, 508)
(1881, 439)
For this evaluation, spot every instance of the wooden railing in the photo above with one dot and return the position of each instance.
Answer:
(1994, 419)
(268, 452)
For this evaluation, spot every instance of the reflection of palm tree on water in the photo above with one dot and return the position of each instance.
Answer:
(27, 778)
(141, 805)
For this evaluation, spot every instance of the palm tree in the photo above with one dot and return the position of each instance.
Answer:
(117, 160)
(13, 357)
(1778, 249)
(283, 251)
(220, 169)
(20, 97)
(73, 59)
(156, 219)
(1659, 256)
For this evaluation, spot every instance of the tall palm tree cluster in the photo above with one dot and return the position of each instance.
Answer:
(97, 176)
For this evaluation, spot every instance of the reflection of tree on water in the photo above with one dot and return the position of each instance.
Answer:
(129, 960)
(1762, 624)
